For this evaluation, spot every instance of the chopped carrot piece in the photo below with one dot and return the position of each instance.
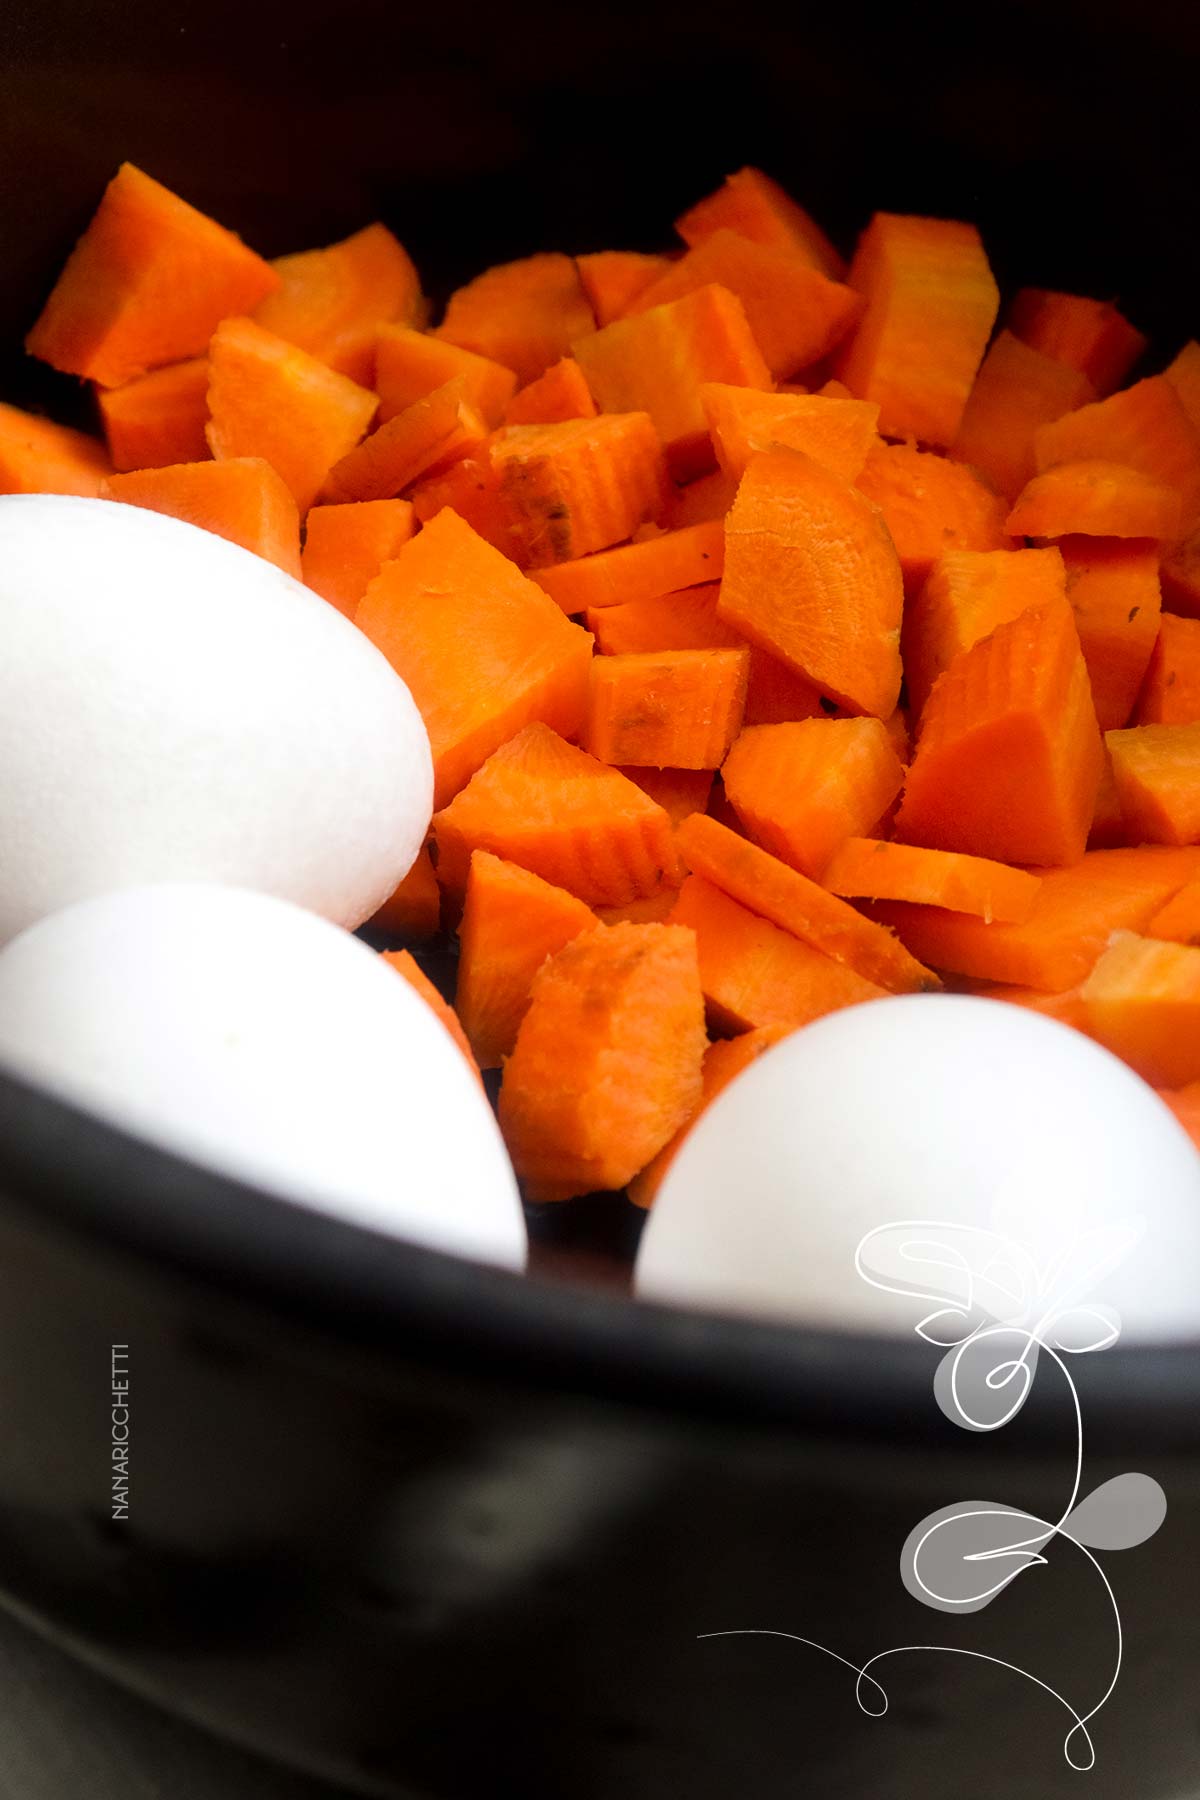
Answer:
(561, 393)
(757, 208)
(158, 418)
(148, 283)
(835, 433)
(512, 921)
(795, 313)
(811, 576)
(1171, 691)
(684, 620)
(660, 565)
(723, 1060)
(1157, 771)
(1142, 1002)
(776, 695)
(406, 965)
(1067, 1008)
(802, 789)
(607, 1061)
(1087, 335)
(754, 974)
(540, 802)
(242, 499)
(873, 869)
(1094, 499)
(1108, 821)
(1016, 390)
(1112, 584)
(1180, 574)
(482, 650)
(424, 440)
(39, 457)
(657, 360)
(471, 488)
(767, 886)
(680, 792)
(346, 546)
(413, 908)
(708, 497)
(1009, 759)
(579, 485)
(1184, 376)
(333, 302)
(1178, 922)
(653, 909)
(267, 398)
(523, 314)
(931, 505)
(1144, 427)
(613, 279)
(1185, 1104)
(410, 364)
(931, 302)
(1076, 911)
(968, 593)
(674, 709)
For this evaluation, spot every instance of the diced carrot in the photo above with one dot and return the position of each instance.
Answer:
(765, 885)
(332, 302)
(471, 488)
(267, 398)
(652, 909)
(931, 505)
(158, 418)
(1016, 390)
(482, 650)
(422, 441)
(755, 974)
(242, 499)
(1157, 771)
(512, 921)
(39, 457)
(561, 393)
(1144, 427)
(660, 565)
(1184, 376)
(1108, 830)
(680, 792)
(346, 546)
(1185, 1104)
(835, 433)
(579, 485)
(1067, 1008)
(148, 283)
(1171, 691)
(1142, 1002)
(931, 302)
(757, 208)
(1112, 584)
(684, 620)
(410, 364)
(802, 789)
(1180, 576)
(795, 313)
(657, 360)
(612, 279)
(1009, 759)
(811, 576)
(523, 314)
(776, 695)
(1087, 335)
(674, 709)
(967, 594)
(1094, 499)
(413, 909)
(1178, 922)
(406, 965)
(607, 1061)
(708, 497)
(540, 802)
(1076, 911)
(873, 869)
(723, 1060)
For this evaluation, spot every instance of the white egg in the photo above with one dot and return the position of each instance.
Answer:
(172, 707)
(1037, 1151)
(264, 1042)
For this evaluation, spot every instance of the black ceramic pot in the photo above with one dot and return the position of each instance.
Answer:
(434, 1531)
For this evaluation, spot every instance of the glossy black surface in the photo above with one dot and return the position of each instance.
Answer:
(435, 1531)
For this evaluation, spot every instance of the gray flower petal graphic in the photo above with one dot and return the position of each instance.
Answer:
(1119, 1513)
(983, 1383)
(961, 1556)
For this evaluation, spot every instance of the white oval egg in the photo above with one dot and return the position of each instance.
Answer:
(173, 707)
(260, 1040)
(1038, 1152)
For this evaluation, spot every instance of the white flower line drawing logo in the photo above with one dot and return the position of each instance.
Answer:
(994, 1311)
